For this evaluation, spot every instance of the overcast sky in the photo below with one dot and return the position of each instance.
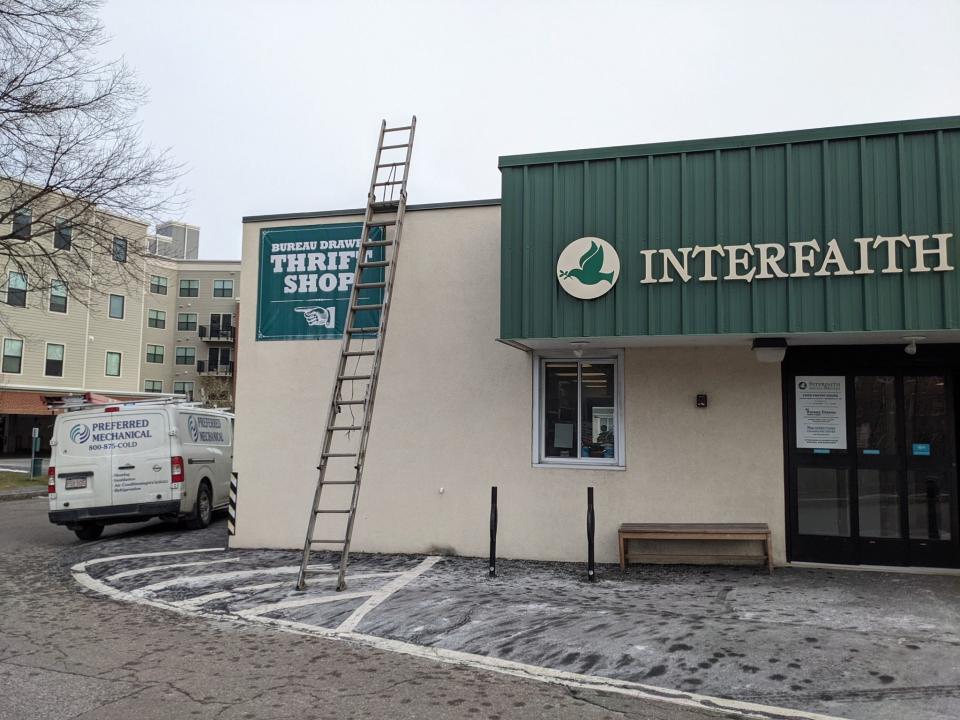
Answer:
(274, 106)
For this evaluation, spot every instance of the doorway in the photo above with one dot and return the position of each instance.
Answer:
(871, 461)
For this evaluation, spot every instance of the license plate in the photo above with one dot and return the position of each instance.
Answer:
(75, 483)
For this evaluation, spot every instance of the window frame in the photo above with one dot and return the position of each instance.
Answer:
(24, 290)
(165, 286)
(118, 251)
(46, 359)
(196, 322)
(50, 296)
(163, 354)
(148, 380)
(176, 359)
(539, 459)
(25, 232)
(222, 280)
(161, 320)
(106, 360)
(184, 390)
(62, 234)
(123, 306)
(3, 355)
(196, 290)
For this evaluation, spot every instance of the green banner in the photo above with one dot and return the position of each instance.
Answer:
(306, 274)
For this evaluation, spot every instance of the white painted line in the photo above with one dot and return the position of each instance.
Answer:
(16, 470)
(262, 586)
(190, 580)
(298, 603)
(155, 568)
(385, 592)
(201, 599)
(81, 567)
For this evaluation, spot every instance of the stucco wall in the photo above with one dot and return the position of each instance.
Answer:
(454, 412)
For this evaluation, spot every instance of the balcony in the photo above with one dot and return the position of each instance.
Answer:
(213, 334)
(221, 370)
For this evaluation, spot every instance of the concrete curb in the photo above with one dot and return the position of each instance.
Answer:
(23, 493)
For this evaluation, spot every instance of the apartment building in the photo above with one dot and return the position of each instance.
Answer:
(154, 324)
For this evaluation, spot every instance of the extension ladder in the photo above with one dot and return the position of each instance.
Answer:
(386, 204)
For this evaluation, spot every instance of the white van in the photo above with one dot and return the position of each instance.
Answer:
(130, 462)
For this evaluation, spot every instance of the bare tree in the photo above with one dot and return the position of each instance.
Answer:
(74, 171)
(216, 391)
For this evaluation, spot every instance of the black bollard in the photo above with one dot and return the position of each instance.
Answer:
(591, 524)
(493, 531)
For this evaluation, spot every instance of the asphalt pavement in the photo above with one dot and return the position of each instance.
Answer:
(68, 653)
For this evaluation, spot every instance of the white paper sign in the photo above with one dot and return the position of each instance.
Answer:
(821, 412)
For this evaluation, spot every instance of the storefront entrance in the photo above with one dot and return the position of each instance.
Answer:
(871, 445)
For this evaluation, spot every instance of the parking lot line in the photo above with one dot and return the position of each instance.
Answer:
(155, 568)
(82, 566)
(385, 592)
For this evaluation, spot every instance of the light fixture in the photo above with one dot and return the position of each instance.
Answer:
(578, 347)
(911, 348)
(769, 350)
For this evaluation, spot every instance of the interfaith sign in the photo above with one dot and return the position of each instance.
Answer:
(305, 278)
(821, 412)
(588, 268)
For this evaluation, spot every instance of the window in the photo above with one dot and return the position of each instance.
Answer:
(62, 234)
(113, 364)
(120, 249)
(17, 289)
(184, 388)
(116, 307)
(153, 386)
(58, 296)
(186, 356)
(54, 362)
(186, 321)
(158, 285)
(223, 288)
(22, 222)
(156, 319)
(579, 414)
(154, 353)
(189, 288)
(12, 355)
(218, 358)
(221, 325)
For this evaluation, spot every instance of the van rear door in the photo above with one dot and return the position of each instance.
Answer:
(84, 467)
(141, 455)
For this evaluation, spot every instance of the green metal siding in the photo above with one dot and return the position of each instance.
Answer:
(887, 179)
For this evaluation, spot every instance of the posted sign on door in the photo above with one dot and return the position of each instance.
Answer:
(821, 412)
(306, 274)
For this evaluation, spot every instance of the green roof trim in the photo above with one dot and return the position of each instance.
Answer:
(729, 143)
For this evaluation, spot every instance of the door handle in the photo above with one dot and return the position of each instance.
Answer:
(126, 467)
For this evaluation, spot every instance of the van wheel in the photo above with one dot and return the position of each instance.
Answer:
(202, 510)
(91, 531)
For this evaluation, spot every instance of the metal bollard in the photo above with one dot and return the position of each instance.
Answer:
(591, 525)
(493, 531)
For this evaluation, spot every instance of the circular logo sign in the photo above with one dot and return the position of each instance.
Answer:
(192, 427)
(588, 267)
(80, 434)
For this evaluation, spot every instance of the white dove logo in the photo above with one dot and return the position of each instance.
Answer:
(316, 316)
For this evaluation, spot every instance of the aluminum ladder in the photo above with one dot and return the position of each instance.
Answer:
(386, 205)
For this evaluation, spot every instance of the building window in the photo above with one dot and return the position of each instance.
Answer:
(116, 307)
(22, 224)
(186, 356)
(183, 388)
(186, 321)
(62, 234)
(12, 355)
(54, 361)
(579, 408)
(221, 325)
(120, 249)
(17, 289)
(223, 288)
(58, 296)
(113, 364)
(154, 386)
(218, 358)
(158, 285)
(154, 353)
(156, 319)
(189, 288)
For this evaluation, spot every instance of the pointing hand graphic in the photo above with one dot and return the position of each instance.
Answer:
(315, 315)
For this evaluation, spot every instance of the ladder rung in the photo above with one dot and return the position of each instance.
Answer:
(398, 129)
(331, 512)
(378, 243)
(363, 330)
(359, 353)
(338, 482)
(373, 264)
(385, 204)
(396, 164)
(392, 147)
(382, 223)
(345, 427)
(388, 182)
(330, 455)
(351, 402)
(328, 542)
(371, 285)
(353, 377)
(367, 308)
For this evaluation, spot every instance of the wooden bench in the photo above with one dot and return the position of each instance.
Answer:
(694, 531)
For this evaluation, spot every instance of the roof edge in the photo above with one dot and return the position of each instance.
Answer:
(733, 142)
(361, 211)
